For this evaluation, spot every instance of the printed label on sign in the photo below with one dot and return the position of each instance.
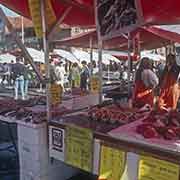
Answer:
(155, 169)
(56, 94)
(112, 163)
(79, 146)
(95, 84)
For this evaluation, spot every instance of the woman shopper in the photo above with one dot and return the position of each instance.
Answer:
(60, 72)
(145, 83)
(169, 86)
(84, 76)
(75, 76)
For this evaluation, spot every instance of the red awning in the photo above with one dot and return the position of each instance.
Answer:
(161, 12)
(150, 38)
(81, 13)
(153, 12)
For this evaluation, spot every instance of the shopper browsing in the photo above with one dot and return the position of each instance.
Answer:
(84, 76)
(60, 72)
(18, 70)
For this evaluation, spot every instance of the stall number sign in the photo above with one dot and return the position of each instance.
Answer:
(79, 147)
(95, 84)
(112, 163)
(155, 169)
(56, 94)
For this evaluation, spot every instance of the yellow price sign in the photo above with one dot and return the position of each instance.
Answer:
(35, 11)
(112, 163)
(155, 169)
(79, 147)
(95, 84)
(56, 94)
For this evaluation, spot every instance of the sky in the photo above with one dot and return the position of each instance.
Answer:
(8, 12)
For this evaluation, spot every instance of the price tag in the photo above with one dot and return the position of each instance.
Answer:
(56, 94)
(95, 84)
(112, 163)
(79, 147)
(155, 169)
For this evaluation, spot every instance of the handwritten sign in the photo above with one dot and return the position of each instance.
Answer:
(155, 169)
(112, 163)
(56, 94)
(95, 84)
(35, 11)
(79, 147)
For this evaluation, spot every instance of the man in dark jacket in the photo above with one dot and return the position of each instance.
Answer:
(18, 70)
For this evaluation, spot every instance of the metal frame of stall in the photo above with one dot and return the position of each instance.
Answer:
(47, 36)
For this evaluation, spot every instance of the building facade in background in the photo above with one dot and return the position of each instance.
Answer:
(30, 39)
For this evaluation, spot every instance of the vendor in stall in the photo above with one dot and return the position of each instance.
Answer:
(169, 85)
(145, 83)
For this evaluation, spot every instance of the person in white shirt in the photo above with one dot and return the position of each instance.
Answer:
(60, 72)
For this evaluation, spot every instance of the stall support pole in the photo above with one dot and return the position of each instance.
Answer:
(56, 26)
(26, 54)
(100, 69)
(22, 29)
(91, 54)
(108, 73)
(129, 65)
(46, 54)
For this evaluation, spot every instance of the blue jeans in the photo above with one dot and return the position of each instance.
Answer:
(19, 83)
(26, 83)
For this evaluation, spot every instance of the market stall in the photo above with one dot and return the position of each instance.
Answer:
(112, 140)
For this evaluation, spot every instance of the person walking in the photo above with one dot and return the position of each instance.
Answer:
(11, 81)
(6, 73)
(84, 76)
(75, 76)
(18, 70)
(60, 72)
(27, 78)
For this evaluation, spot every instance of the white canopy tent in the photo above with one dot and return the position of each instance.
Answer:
(85, 56)
(7, 58)
(153, 56)
(66, 55)
(38, 56)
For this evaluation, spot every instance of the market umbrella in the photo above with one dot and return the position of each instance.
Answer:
(152, 56)
(85, 56)
(67, 55)
(38, 56)
(106, 57)
(7, 58)
(121, 55)
(81, 55)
